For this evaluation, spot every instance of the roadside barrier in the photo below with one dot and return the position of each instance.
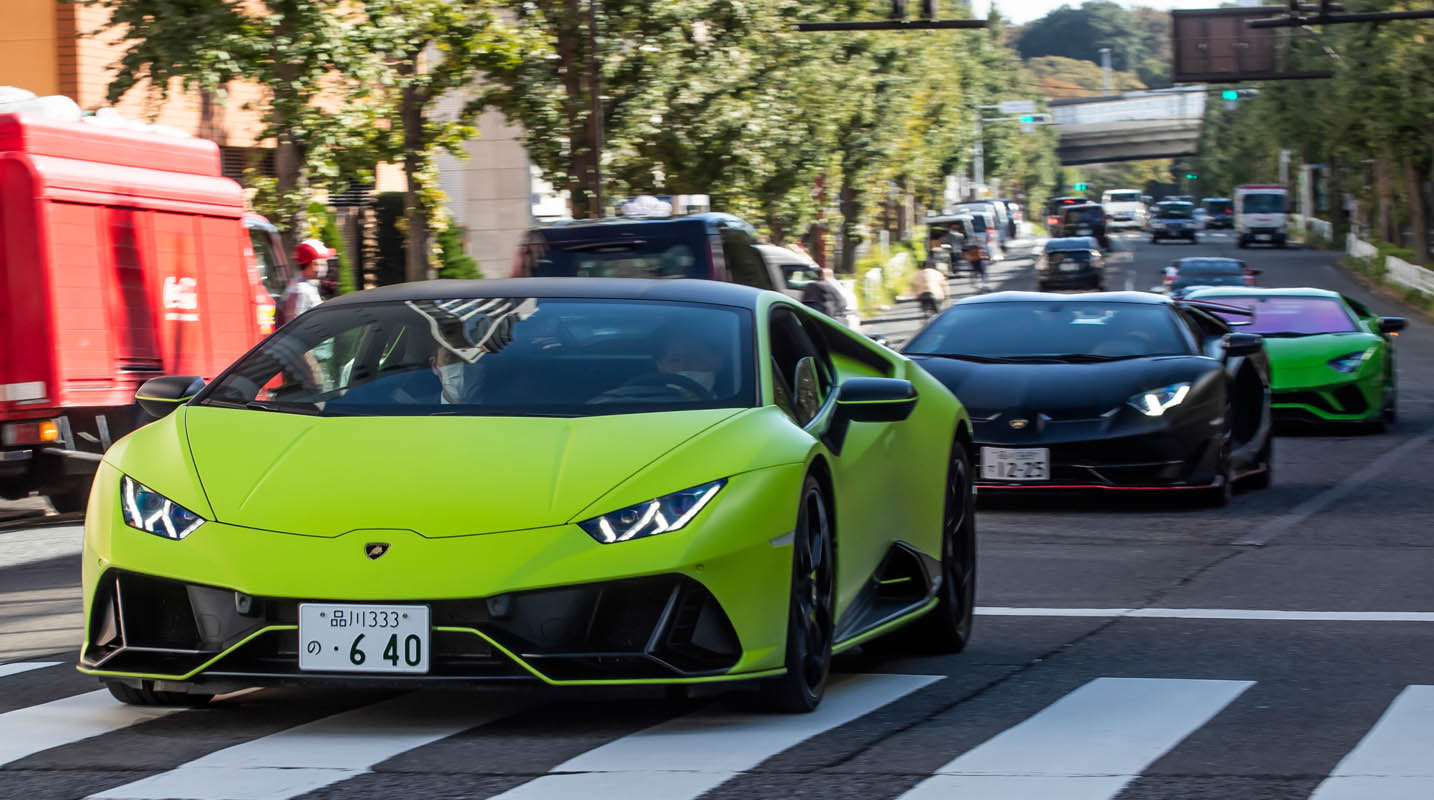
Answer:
(1396, 270)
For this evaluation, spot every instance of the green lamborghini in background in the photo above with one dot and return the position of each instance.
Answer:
(1331, 358)
(573, 480)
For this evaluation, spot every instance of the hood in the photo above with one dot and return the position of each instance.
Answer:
(1303, 361)
(1060, 391)
(438, 476)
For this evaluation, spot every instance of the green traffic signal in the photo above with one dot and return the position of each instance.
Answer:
(1230, 94)
(1028, 119)
(1080, 187)
(1190, 176)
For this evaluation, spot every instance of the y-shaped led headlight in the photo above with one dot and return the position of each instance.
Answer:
(1157, 401)
(149, 511)
(663, 515)
(1350, 362)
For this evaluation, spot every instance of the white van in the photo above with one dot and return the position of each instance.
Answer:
(1260, 215)
(1124, 208)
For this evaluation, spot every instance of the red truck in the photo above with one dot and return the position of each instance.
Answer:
(124, 255)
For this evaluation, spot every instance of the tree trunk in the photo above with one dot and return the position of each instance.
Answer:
(415, 260)
(850, 209)
(572, 67)
(1383, 217)
(1418, 218)
(288, 166)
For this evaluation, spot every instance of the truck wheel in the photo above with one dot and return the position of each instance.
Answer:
(72, 498)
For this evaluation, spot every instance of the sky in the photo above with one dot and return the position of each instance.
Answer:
(1023, 11)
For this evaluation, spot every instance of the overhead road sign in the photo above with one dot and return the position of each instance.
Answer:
(1217, 45)
(1017, 107)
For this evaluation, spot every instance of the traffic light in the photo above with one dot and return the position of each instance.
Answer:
(1190, 176)
(1230, 94)
(1028, 119)
(1080, 187)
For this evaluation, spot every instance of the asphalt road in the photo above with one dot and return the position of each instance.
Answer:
(1282, 647)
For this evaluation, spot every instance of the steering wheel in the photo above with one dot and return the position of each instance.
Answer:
(653, 383)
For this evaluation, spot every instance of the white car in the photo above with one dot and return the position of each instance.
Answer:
(1124, 208)
(798, 270)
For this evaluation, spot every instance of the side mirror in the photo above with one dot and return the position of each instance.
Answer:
(1391, 324)
(875, 399)
(1243, 344)
(1257, 272)
(159, 396)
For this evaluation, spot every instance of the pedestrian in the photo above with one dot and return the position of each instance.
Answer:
(302, 293)
(825, 295)
(929, 286)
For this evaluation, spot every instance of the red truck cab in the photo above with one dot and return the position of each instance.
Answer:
(123, 256)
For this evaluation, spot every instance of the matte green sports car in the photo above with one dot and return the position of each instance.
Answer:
(1331, 358)
(580, 481)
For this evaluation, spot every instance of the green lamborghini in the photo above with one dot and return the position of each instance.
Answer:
(571, 480)
(1331, 358)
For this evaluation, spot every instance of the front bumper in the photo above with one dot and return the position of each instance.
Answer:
(1089, 454)
(1347, 401)
(218, 610)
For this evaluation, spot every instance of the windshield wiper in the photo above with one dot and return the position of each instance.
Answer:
(967, 357)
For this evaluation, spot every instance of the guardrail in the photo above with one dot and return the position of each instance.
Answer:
(1396, 270)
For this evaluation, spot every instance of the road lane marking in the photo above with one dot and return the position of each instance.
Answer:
(1392, 761)
(687, 756)
(1086, 746)
(319, 753)
(1267, 532)
(17, 667)
(1211, 613)
(29, 730)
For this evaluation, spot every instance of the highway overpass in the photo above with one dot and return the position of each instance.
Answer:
(1135, 126)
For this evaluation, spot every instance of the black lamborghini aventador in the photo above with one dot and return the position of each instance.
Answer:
(1118, 390)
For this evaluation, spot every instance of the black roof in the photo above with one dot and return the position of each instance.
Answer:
(680, 290)
(1143, 298)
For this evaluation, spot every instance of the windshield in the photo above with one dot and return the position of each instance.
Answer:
(1062, 330)
(1218, 206)
(1177, 211)
(498, 356)
(1290, 316)
(1124, 197)
(1054, 257)
(1264, 204)
(1207, 278)
(1084, 216)
(619, 257)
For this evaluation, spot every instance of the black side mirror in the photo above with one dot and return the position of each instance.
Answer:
(159, 396)
(1391, 324)
(1243, 344)
(875, 399)
(1257, 272)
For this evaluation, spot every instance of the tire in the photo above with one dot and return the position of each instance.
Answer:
(947, 627)
(1155, 240)
(1263, 478)
(74, 497)
(1391, 405)
(1193, 240)
(1240, 243)
(810, 610)
(1220, 496)
(130, 695)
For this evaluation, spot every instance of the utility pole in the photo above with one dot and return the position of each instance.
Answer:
(978, 158)
(1105, 70)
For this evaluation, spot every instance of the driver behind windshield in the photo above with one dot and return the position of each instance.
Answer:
(692, 360)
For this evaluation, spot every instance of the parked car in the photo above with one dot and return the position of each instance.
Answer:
(1013, 210)
(1173, 220)
(709, 245)
(1071, 263)
(1000, 217)
(961, 231)
(124, 255)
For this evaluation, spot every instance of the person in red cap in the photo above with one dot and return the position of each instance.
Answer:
(302, 293)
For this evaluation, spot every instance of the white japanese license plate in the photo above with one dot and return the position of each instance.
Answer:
(345, 637)
(1083, 230)
(1011, 464)
(1262, 237)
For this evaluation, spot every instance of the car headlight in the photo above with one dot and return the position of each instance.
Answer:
(1350, 362)
(149, 511)
(1157, 401)
(665, 514)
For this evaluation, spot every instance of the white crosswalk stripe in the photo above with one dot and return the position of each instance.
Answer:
(1086, 746)
(684, 757)
(17, 667)
(29, 730)
(319, 753)
(1395, 760)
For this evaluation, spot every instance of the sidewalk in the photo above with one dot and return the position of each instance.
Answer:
(902, 320)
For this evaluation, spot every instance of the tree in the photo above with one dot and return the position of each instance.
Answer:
(298, 50)
(426, 49)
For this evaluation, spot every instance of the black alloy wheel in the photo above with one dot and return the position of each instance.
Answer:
(1219, 496)
(811, 610)
(947, 627)
(145, 696)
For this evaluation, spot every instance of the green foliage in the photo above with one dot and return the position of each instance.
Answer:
(1139, 38)
(324, 225)
(1061, 77)
(455, 263)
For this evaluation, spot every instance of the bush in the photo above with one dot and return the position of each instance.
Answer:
(454, 262)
